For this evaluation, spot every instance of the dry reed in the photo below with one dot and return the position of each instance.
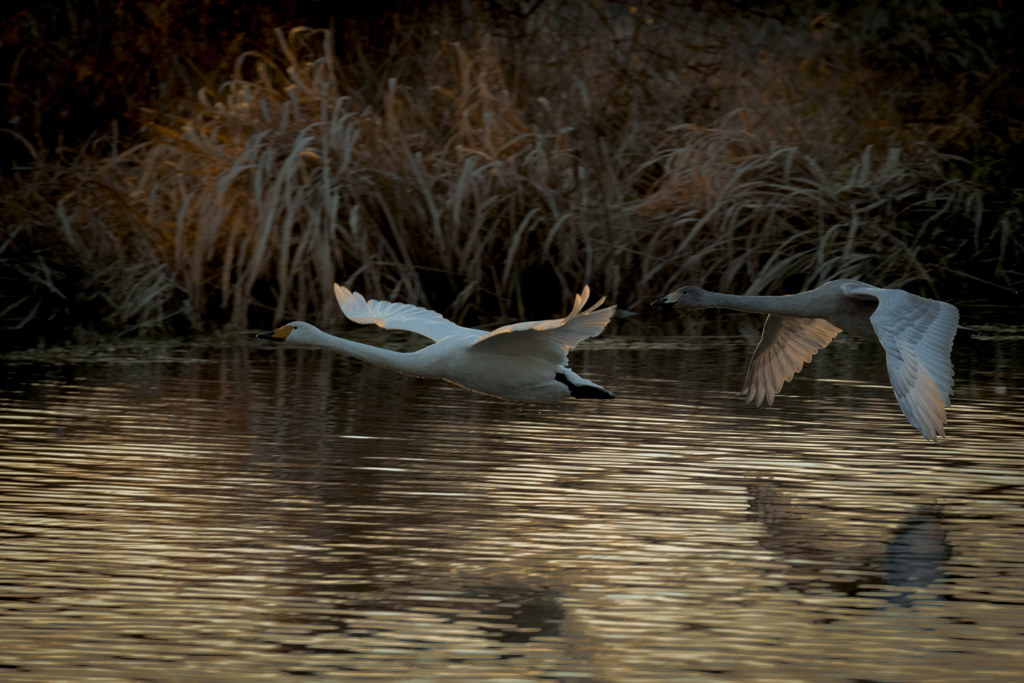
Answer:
(749, 215)
(485, 177)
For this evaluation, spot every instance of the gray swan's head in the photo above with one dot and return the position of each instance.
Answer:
(685, 297)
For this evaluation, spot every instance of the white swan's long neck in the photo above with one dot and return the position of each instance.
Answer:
(797, 305)
(406, 363)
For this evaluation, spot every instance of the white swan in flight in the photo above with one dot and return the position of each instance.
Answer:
(917, 335)
(524, 362)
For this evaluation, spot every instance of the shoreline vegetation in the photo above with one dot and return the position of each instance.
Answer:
(489, 168)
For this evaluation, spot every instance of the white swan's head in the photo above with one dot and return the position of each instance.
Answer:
(685, 297)
(297, 332)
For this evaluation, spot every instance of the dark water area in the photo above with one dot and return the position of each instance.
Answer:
(247, 513)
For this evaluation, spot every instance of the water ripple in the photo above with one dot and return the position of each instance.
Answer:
(260, 515)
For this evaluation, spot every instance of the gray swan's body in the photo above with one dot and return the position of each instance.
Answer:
(524, 362)
(916, 333)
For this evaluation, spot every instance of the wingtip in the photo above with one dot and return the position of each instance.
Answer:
(347, 299)
(598, 305)
(577, 305)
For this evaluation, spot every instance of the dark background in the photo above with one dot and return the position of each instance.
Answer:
(77, 71)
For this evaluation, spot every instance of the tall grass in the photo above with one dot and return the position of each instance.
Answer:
(284, 188)
(492, 176)
(750, 215)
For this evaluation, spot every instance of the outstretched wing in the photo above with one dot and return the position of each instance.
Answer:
(786, 344)
(917, 335)
(398, 316)
(548, 339)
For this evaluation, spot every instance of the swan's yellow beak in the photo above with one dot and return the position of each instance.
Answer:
(280, 334)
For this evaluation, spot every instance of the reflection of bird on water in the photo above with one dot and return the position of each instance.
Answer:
(916, 556)
(815, 537)
(917, 335)
(521, 362)
(520, 612)
(826, 550)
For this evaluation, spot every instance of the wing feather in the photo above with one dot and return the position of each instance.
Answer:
(392, 316)
(917, 335)
(786, 344)
(549, 339)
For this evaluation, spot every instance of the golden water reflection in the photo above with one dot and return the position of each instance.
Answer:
(266, 514)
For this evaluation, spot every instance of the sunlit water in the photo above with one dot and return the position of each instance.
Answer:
(256, 513)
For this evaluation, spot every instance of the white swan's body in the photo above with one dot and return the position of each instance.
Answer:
(917, 335)
(524, 362)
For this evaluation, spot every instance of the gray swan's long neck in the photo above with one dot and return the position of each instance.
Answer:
(797, 305)
(407, 363)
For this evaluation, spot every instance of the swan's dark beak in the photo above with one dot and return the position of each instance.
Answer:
(669, 299)
(269, 335)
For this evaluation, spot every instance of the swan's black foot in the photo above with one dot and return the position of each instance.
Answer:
(583, 391)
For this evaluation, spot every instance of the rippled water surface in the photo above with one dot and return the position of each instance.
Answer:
(247, 513)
